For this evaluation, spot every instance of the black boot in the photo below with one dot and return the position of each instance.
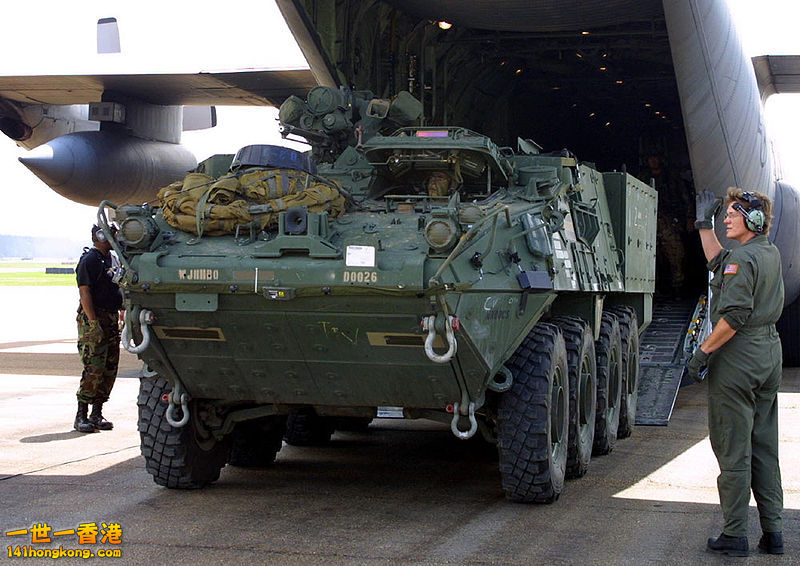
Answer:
(771, 543)
(97, 418)
(732, 546)
(82, 423)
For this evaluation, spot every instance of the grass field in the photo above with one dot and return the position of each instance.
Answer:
(33, 273)
(35, 264)
(36, 278)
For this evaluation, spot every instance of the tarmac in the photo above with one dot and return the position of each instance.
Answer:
(404, 492)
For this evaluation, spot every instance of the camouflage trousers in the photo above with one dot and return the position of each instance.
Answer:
(100, 359)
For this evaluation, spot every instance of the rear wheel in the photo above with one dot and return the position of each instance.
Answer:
(183, 458)
(304, 427)
(629, 336)
(255, 443)
(533, 418)
(582, 369)
(609, 384)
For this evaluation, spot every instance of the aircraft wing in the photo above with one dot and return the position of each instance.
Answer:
(257, 87)
(139, 117)
(777, 74)
(108, 125)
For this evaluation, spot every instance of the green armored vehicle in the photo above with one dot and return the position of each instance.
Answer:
(398, 268)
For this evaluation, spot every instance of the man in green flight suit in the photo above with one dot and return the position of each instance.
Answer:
(742, 357)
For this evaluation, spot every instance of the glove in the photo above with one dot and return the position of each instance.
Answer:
(698, 365)
(93, 333)
(707, 205)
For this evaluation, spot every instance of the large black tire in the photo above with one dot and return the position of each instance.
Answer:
(629, 335)
(609, 384)
(255, 443)
(582, 368)
(181, 458)
(533, 419)
(304, 427)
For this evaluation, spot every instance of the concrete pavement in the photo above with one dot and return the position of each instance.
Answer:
(404, 492)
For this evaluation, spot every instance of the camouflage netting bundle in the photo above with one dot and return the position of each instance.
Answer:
(204, 206)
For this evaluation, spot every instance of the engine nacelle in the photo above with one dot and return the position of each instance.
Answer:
(89, 167)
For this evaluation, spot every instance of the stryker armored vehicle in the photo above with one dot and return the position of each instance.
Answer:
(418, 270)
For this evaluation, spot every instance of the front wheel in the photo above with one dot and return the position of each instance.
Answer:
(181, 458)
(533, 419)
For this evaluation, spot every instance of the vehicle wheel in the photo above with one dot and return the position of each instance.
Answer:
(305, 428)
(182, 458)
(255, 443)
(582, 368)
(533, 418)
(609, 384)
(629, 335)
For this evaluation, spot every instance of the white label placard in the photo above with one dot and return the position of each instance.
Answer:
(360, 256)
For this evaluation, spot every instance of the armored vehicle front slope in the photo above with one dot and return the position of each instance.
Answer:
(427, 270)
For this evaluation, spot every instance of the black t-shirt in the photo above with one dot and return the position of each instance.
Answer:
(94, 270)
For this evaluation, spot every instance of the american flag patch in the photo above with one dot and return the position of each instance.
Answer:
(731, 269)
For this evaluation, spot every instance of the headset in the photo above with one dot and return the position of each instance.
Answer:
(97, 234)
(754, 218)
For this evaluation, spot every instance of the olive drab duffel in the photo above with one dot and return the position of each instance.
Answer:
(203, 205)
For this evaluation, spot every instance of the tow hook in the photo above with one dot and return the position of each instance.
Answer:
(146, 318)
(429, 325)
(175, 398)
(473, 423)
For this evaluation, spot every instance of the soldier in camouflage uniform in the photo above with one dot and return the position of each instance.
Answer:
(98, 332)
(672, 225)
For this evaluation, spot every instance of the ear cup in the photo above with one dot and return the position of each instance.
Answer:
(101, 237)
(755, 220)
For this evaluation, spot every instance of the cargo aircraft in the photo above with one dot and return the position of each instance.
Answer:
(612, 81)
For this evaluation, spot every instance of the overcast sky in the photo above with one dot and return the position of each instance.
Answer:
(64, 43)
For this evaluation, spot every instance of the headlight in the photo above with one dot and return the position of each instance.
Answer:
(441, 234)
(138, 231)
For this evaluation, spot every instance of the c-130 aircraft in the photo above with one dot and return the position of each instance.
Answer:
(616, 81)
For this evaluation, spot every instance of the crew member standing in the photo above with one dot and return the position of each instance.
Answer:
(743, 358)
(98, 332)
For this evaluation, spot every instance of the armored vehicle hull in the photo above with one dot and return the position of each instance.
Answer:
(498, 291)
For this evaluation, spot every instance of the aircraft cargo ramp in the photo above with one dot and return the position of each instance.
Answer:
(662, 360)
